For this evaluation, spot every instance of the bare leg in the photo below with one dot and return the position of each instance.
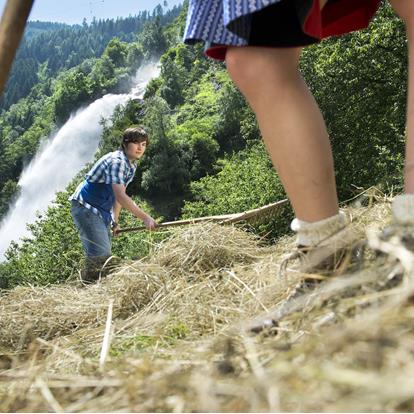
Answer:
(405, 9)
(292, 126)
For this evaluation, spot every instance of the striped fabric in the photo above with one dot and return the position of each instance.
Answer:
(272, 23)
(112, 168)
(223, 22)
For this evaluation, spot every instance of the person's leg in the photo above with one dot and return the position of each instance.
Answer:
(405, 9)
(95, 238)
(292, 126)
(403, 205)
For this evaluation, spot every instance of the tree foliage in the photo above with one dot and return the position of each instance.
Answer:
(246, 180)
(61, 46)
(54, 97)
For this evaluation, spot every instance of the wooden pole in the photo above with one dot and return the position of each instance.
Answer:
(180, 223)
(12, 27)
(223, 219)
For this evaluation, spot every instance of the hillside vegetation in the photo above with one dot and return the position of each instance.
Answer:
(60, 91)
(48, 48)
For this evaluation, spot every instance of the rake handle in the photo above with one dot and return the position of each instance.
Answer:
(168, 224)
(223, 219)
(12, 27)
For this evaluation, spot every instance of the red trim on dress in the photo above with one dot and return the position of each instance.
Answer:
(217, 52)
(339, 18)
(347, 16)
(313, 21)
(336, 18)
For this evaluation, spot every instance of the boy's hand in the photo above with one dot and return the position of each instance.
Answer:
(150, 223)
(115, 230)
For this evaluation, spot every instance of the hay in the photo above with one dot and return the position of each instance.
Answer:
(178, 343)
(202, 248)
(49, 312)
(30, 312)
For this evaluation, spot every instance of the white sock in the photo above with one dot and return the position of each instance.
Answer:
(403, 209)
(317, 233)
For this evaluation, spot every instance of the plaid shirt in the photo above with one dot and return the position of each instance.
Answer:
(112, 168)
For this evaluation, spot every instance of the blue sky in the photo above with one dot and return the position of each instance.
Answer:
(74, 11)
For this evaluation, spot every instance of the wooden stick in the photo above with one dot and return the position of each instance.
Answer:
(256, 212)
(179, 223)
(222, 219)
(12, 27)
(107, 336)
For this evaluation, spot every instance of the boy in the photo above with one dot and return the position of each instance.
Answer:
(98, 200)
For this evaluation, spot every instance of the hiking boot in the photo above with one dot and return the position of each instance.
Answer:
(330, 258)
(94, 269)
(324, 248)
(401, 230)
(403, 233)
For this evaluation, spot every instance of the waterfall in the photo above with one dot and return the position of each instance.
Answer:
(61, 157)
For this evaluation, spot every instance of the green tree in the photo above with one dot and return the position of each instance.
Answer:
(116, 51)
(247, 180)
(52, 254)
(71, 90)
(359, 81)
(135, 57)
(7, 194)
(152, 38)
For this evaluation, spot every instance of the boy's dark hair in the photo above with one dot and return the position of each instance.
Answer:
(134, 134)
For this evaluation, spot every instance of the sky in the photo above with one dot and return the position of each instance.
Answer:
(74, 11)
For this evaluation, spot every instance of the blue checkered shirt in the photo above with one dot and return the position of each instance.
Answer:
(112, 168)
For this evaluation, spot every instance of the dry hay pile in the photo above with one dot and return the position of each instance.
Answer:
(205, 248)
(343, 345)
(49, 312)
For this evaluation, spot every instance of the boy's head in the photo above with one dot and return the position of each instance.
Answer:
(134, 142)
(134, 134)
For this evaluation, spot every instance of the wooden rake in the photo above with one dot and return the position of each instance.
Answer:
(12, 26)
(257, 214)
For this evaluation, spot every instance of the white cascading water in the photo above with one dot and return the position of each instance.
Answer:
(62, 156)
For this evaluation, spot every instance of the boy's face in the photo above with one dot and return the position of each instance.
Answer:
(135, 150)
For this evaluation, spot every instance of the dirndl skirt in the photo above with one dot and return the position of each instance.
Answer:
(272, 23)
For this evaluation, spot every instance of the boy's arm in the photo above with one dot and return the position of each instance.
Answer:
(115, 227)
(117, 210)
(126, 202)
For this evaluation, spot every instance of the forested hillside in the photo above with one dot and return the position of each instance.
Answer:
(48, 48)
(58, 91)
(206, 155)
